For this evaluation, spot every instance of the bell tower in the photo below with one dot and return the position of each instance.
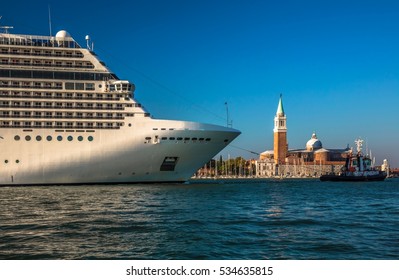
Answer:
(280, 134)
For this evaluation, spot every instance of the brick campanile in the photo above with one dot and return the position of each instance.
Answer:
(280, 134)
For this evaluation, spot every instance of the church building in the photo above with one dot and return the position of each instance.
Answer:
(296, 162)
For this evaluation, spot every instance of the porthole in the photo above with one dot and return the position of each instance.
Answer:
(6, 161)
(38, 138)
(27, 138)
(17, 138)
(70, 138)
(90, 138)
(80, 138)
(59, 138)
(49, 138)
(17, 161)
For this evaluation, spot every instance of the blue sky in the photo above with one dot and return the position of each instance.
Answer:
(335, 62)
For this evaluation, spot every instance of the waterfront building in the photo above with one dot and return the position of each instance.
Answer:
(313, 160)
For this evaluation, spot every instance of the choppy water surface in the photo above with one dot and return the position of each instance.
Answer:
(287, 219)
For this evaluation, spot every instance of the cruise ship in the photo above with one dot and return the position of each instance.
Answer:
(65, 118)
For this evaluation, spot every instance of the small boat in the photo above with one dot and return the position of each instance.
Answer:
(358, 167)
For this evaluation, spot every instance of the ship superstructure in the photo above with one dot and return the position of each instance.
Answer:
(65, 118)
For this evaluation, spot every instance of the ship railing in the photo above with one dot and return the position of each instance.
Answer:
(52, 65)
(63, 117)
(58, 127)
(61, 107)
(38, 41)
(44, 54)
(59, 98)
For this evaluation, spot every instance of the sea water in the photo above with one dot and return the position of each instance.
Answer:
(248, 219)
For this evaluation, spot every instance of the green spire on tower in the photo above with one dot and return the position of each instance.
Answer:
(280, 108)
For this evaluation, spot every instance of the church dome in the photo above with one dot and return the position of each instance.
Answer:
(313, 143)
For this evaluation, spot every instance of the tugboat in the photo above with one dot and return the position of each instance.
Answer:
(357, 168)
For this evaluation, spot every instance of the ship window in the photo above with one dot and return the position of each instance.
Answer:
(27, 138)
(80, 138)
(49, 138)
(70, 138)
(208, 139)
(171, 138)
(90, 138)
(38, 138)
(69, 86)
(59, 138)
(16, 137)
(6, 161)
(179, 138)
(79, 86)
(89, 86)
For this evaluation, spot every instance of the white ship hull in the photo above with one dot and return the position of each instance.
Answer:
(147, 151)
(65, 118)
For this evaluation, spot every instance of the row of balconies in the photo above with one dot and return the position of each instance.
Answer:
(99, 97)
(39, 41)
(40, 52)
(112, 117)
(86, 106)
(46, 63)
(61, 125)
(18, 84)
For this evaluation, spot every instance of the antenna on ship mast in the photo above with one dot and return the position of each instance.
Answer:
(229, 123)
(6, 27)
(49, 20)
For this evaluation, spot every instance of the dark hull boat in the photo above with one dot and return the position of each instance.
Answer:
(354, 178)
(358, 168)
